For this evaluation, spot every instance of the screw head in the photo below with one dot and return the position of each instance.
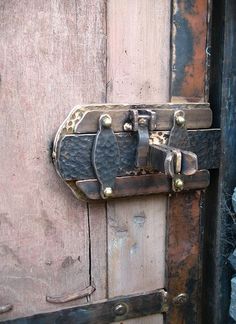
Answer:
(180, 120)
(178, 184)
(128, 127)
(107, 192)
(181, 299)
(142, 121)
(120, 309)
(106, 121)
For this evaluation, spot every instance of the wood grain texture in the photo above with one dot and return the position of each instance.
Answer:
(52, 57)
(137, 72)
(138, 51)
(98, 252)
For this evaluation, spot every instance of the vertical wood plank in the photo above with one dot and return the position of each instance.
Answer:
(137, 72)
(98, 249)
(52, 58)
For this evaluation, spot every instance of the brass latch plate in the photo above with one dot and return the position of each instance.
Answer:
(90, 152)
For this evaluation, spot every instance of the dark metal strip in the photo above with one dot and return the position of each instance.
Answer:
(144, 185)
(198, 115)
(113, 310)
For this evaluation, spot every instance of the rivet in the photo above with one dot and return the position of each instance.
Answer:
(180, 120)
(128, 127)
(107, 192)
(106, 121)
(142, 121)
(120, 309)
(181, 299)
(178, 184)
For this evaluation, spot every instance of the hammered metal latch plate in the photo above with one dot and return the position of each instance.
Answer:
(105, 156)
(108, 151)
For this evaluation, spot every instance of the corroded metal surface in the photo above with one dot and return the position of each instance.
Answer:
(189, 32)
(183, 252)
(104, 312)
(145, 185)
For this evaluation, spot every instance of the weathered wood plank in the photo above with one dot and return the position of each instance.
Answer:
(138, 72)
(52, 57)
(98, 249)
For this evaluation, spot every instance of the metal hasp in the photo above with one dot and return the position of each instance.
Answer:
(108, 151)
(173, 159)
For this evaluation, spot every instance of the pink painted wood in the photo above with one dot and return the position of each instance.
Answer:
(52, 58)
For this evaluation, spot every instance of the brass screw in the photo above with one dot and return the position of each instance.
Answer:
(181, 299)
(180, 120)
(120, 309)
(106, 121)
(178, 184)
(107, 192)
(128, 127)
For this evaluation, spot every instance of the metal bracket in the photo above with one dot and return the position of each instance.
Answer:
(142, 121)
(107, 311)
(108, 151)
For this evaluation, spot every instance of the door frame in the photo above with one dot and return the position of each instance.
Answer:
(220, 233)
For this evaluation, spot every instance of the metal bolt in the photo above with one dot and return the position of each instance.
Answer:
(128, 127)
(120, 309)
(178, 184)
(180, 120)
(106, 121)
(180, 299)
(142, 121)
(107, 192)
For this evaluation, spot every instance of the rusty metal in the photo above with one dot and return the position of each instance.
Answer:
(189, 38)
(117, 309)
(181, 299)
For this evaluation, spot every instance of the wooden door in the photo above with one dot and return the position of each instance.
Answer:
(56, 54)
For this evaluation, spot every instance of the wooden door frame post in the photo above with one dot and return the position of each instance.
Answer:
(219, 230)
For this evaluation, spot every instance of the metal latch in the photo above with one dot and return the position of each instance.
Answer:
(109, 151)
(174, 159)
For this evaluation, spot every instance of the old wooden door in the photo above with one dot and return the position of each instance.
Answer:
(56, 54)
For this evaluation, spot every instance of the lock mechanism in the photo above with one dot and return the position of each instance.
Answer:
(109, 151)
